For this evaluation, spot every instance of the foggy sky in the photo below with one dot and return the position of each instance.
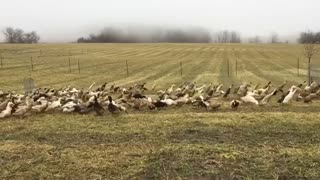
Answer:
(66, 20)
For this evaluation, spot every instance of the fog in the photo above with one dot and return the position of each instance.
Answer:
(66, 21)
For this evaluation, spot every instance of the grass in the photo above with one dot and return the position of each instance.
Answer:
(150, 63)
(165, 145)
(271, 142)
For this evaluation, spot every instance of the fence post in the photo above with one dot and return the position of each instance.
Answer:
(236, 67)
(180, 68)
(228, 67)
(69, 65)
(79, 66)
(31, 61)
(127, 68)
(1, 60)
(298, 64)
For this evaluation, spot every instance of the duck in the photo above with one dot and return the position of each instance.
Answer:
(301, 84)
(210, 104)
(91, 86)
(280, 88)
(142, 103)
(115, 108)
(218, 89)
(54, 105)
(234, 104)
(139, 96)
(284, 94)
(97, 107)
(170, 90)
(257, 86)
(267, 98)
(154, 86)
(23, 111)
(70, 107)
(201, 88)
(4, 104)
(228, 91)
(312, 86)
(213, 105)
(102, 87)
(42, 106)
(168, 101)
(263, 91)
(8, 111)
(269, 83)
(159, 104)
(289, 97)
(249, 98)
(183, 100)
(243, 89)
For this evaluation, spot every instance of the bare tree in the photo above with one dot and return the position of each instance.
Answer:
(309, 37)
(235, 37)
(18, 36)
(255, 40)
(227, 37)
(31, 38)
(274, 38)
(309, 51)
(9, 34)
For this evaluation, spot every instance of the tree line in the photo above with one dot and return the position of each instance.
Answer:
(135, 35)
(309, 37)
(227, 37)
(17, 35)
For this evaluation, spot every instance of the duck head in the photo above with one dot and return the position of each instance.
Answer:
(10, 105)
(110, 99)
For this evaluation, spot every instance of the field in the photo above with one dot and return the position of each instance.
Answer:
(271, 142)
(201, 63)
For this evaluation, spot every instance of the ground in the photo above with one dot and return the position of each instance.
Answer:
(264, 142)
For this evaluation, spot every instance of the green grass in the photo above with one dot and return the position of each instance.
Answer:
(164, 145)
(270, 142)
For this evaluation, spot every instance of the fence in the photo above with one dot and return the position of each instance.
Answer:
(315, 72)
(69, 63)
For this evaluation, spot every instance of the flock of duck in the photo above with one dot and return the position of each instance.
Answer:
(115, 99)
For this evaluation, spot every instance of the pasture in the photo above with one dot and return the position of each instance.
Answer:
(201, 63)
(252, 142)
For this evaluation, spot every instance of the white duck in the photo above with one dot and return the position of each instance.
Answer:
(7, 112)
(288, 98)
(170, 90)
(41, 107)
(267, 98)
(69, 107)
(311, 87)
(54, 105)
(249, 98)
(183, 100)
(168, 101)
(218, 90)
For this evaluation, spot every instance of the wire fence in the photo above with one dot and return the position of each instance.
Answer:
(38, 62)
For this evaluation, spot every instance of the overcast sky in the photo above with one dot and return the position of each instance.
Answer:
(66, 20)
